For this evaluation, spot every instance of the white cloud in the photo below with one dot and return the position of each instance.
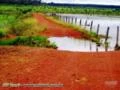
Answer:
(107, 2)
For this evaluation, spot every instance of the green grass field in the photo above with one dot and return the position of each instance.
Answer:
(52, 9)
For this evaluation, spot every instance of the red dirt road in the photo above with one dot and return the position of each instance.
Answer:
(77, 71)
(54, 29)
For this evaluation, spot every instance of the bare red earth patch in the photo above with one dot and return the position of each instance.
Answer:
(76, 70)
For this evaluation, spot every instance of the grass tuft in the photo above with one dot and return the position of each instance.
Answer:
(33, 41)
(26, 26)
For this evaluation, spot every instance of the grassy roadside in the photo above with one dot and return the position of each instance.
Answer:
(26, 26)
(33, 41)
(25, 31)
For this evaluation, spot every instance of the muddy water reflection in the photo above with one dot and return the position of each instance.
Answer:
(103, 21)
(72, 44)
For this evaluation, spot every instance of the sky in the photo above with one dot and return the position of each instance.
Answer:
(105, 2)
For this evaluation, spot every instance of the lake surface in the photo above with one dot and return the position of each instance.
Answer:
(103, 21)
(72, 44)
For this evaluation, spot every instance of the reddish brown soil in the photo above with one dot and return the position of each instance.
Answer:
(54, 29)
(77, 71)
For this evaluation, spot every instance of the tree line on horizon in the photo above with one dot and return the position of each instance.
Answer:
(21, 1)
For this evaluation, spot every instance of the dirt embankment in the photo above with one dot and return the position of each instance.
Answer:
(54, 29)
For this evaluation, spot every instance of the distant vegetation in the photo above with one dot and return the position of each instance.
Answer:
(54, 9)
(21, 1)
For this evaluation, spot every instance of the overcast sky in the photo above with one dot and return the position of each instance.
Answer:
(108, 2)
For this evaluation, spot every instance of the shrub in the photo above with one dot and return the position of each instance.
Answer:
(35, 41)
(26, 27)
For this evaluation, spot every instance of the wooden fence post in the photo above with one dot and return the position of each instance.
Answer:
(117, 39)
(85, 23)
(72, 20)
(98, 28)
(91, 26)
(106, 38)
(80, 22)
(69, 19)
(107, 34)
(96, 48)
(90, 47)
(66, 19)
(76, 20)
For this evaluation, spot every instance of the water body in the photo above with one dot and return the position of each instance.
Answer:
(82, 45)
(104, 21)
